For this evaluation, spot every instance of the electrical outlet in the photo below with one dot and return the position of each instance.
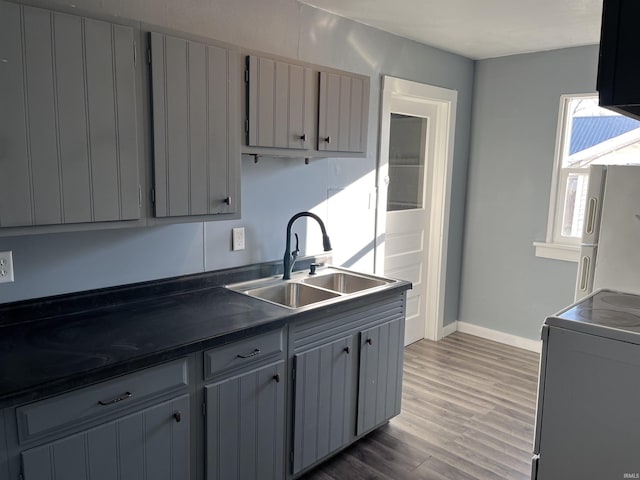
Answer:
(237, 238)
(6, 267)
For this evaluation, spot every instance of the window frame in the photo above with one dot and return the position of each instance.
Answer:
(555, 245)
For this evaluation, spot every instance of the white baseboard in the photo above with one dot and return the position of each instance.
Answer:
(495, 335)
(449, 329)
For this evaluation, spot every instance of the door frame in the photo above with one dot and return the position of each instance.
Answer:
(445, 101)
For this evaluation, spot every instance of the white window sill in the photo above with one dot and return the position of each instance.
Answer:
(557, 251)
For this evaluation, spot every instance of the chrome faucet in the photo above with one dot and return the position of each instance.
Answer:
(289, 258)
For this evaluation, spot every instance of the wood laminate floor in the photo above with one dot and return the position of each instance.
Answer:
(468, 409)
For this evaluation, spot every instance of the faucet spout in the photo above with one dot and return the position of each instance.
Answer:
(289, 260)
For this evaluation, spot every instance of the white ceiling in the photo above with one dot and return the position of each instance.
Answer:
(479, 28)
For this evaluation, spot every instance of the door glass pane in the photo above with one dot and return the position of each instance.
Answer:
(407, 143)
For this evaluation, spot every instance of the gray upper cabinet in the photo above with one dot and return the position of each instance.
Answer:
(302, 110)
(196, 144)
(68, 120)
(280, 104)
(343, 112)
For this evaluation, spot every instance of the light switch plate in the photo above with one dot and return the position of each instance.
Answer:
(6, 267)
(237, 238)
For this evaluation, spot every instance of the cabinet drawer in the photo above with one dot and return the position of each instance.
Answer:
(73, 409)
(243, 352)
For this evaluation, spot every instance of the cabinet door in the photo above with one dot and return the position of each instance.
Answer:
(380, 385)
(280, 104)
(618, 69)
(196, 152)
(343, 113)
(245, 425)
(323, 410)
(68, 121)
(149, 445)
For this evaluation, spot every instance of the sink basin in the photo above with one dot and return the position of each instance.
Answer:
(292, 295)
(344, 282)
(305, 291)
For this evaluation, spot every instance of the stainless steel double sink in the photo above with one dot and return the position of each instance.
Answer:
(305, 290)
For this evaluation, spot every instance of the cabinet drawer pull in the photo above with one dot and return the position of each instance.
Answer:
(177, 416)
(303, 137)
(124, 396)
(227, 200)
(347, 349)
(370, 341)
(249, 355)
(276, 377)
(327, 139)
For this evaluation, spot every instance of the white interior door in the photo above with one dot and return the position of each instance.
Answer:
(414, 196)
(411, 151)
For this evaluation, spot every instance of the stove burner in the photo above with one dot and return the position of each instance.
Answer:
(625, 301)
(609, 318)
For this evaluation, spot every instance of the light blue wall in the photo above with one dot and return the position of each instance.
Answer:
(273, 189)
(505, 287)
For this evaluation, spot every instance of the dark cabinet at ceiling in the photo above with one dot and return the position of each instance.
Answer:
(68, 121)
(618, 67)
(195, 128)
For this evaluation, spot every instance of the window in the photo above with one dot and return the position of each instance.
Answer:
(587, 135)
(407, 143)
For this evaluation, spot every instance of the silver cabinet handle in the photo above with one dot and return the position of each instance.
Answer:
(124, 396)
(249, 355)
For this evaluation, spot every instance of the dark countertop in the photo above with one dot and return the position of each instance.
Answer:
(55, 344)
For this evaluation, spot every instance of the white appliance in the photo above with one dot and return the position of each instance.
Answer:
(588, 414)
(610, 250)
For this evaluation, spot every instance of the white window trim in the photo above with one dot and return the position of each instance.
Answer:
(568, 251)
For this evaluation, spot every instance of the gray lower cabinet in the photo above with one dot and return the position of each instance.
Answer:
(196, 144)
(152, 444)
(347, 371)
(69, 142)
(323, 400)
(380, 380)
(245, 425)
